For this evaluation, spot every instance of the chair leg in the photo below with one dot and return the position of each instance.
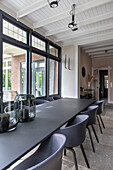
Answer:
(102, 121)
(91, 139)
(74, 157)
(99, 124)
(84, 154)
(95, 133)
(64, 151)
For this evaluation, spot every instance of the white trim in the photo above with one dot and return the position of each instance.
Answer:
(76, 72)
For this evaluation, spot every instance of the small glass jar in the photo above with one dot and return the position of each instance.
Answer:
(9, 119)
(27, 108)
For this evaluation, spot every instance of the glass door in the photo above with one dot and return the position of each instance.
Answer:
(38, 75)
(38, 82)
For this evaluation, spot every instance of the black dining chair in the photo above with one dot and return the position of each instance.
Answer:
(50, 98)
(75, 133)
(57, 97)
(92, 113)
(99, 112)
(48, 155)
(40, 101)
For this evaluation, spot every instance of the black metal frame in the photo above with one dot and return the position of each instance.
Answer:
(30, 49)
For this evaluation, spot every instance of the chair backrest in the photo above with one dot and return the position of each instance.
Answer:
(76, 131)
(48, 156)
(57, 97)
(100, 104)
(40, 101)
(49, 98)
(91, 112)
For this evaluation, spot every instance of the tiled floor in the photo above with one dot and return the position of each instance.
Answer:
(102, 159)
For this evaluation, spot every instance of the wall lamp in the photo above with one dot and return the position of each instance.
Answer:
(73, 25)
(53, 3)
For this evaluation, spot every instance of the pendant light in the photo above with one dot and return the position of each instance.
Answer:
(53, 3)
(73, 25)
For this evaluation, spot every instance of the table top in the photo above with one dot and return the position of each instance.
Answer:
(49, 117)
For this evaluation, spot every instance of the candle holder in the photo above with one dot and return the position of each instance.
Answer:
(4, 122)
(27, 108)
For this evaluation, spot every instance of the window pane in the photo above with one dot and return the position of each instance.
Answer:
(12, 71)
(9, 79)
(4, 64)
(4, 79)
(53, 51)
(9, 63)
(38, 75)
(39, 44)
(53, 77)
(106, 81)
(14, 32)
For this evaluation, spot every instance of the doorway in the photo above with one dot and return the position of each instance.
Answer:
(103, 85)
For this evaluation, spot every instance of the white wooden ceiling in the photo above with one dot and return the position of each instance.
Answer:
(94, 19)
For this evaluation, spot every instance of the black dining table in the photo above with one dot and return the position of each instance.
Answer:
(49, 117)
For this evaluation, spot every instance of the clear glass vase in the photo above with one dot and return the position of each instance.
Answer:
(9, 118)
(27, 108)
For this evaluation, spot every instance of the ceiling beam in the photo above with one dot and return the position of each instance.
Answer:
(92, 39)
(96, 53)
(95, 39)
(100, 52)
(65, 14)
(57, 31)
(31, 8)
(83, 33)
(51, 19)
(102, 55)
(97, 46)
(99, 49)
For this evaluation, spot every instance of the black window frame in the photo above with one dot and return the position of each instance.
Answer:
(30, 49)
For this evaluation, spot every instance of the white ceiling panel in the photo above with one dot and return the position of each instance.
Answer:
(90, 15)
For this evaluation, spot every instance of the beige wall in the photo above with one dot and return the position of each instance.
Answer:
(105, 62)
(84, 60)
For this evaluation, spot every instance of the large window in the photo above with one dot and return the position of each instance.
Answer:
(53, 77)
(38, 75)
(25, 56)
(14, 32)
(12, 77)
